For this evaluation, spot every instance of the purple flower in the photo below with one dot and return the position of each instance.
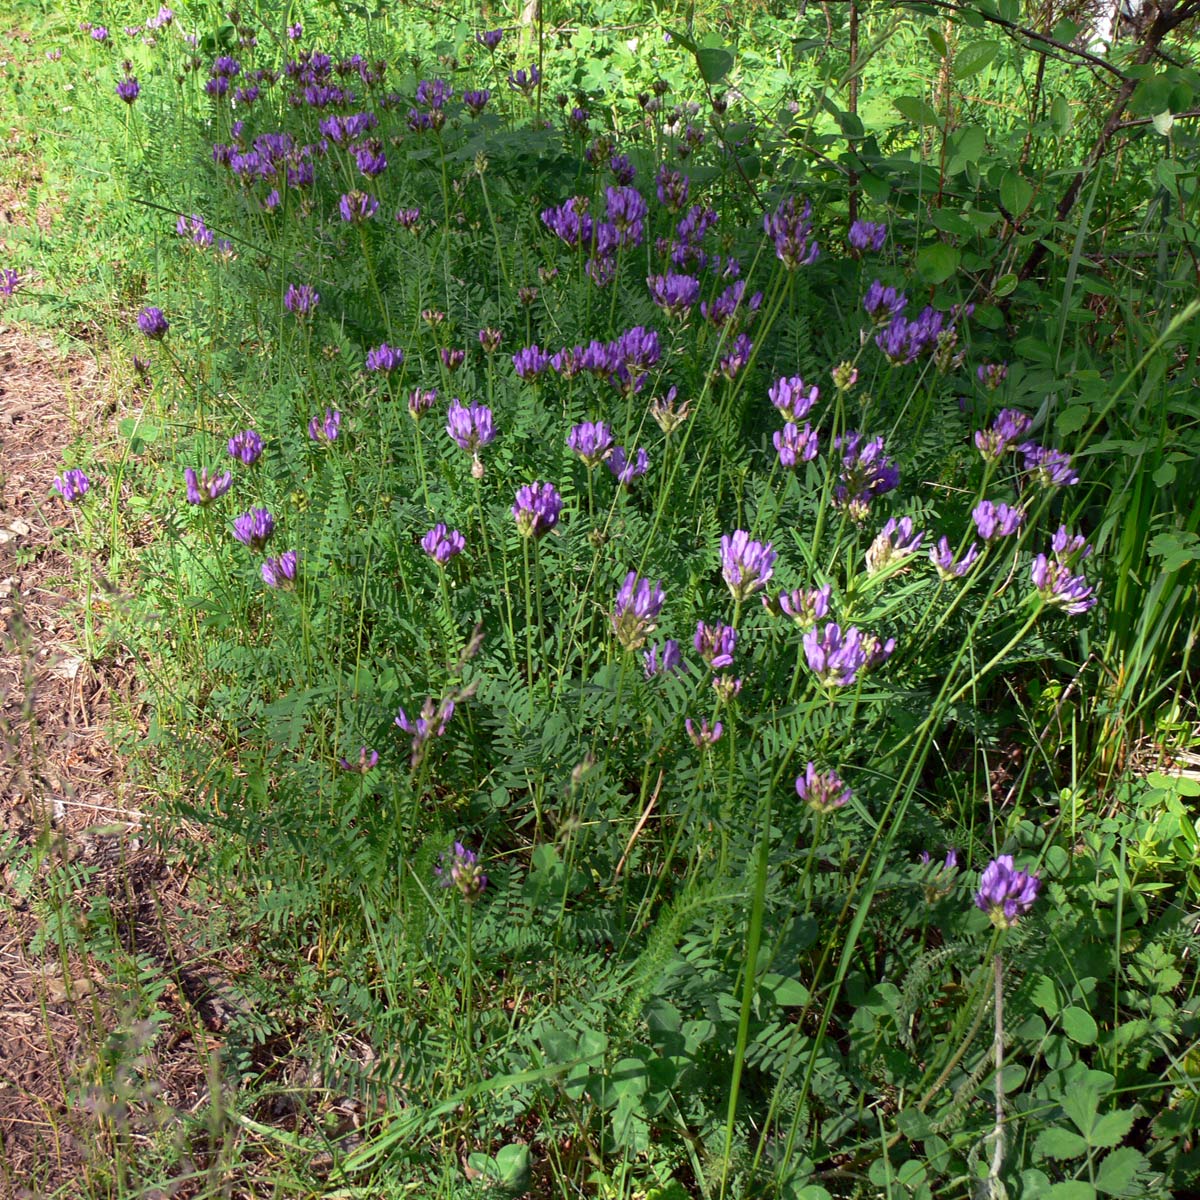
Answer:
(421, 401)
(280, 572)
(368, 760)
(408, 218)
(295, 32)
(570, 222)
(674, 294)
(805, 606)
(1058, 586)
(996, 520)
(790, 230)
(882, 304)
(894, 543)
(1051, 468)
(636, 609)
(490, 38)
(371, 160)
(384, 358)
(866, 236)
(667, 415)
(628, 469)
(731, 306)
(672, 189)
(537, 509)
(254, 528)
(194, 227)
(1005, 893)
(904, 341)
(592, 441)
(433, 93)
(72, 485)
(525, 81)
(431, 722)
(301, 300)
(476, 101)
(327, 429)
(624, 172)
(205, 488)
(732, 364)
(942, 557)
(668, 661)
(627, 211)
(531, 362)
(489, 339)
(460, 869)
(452, 359)
(701, 734)
(1069, 547)
(796, 445)
(837, 657)
(442, 544)
(993, 443)
(727, 687)
(99, 33)
(746, 565)
(128, 89)
(9, 281)
(358, 206)
(991, 375)
(153, 323)
(793, 398)
(866, 473)
(822, 791)
(715, 644)
(471, 428)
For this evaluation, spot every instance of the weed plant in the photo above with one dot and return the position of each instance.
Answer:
(654, 658)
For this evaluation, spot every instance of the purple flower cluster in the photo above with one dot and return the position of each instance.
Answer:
(246, 447)
(667, 661)
(883, 304)
(895, 542)
(942, 557)
(747, 565)
(429, 723)
(153, 323)
(301, 300)
(731, 307)
(442, 544)
(592, 441)
(490, 38)
(128, 88)
(325, 430)
(628, 469)
(672, 188)
(903, 341)
(674, 294)
(368, 760)
(636, 609)
(790, 229)
(1009, 426)
(837, 657)
(866, 473)
(537, 509)
(805, 606)
(470, 427)
(204, 488)
(10, 280)
(822, 791)
(357, 207)
(867, 236)
(715, 644)
(72, 485)
(731, 364)
(384, 358)
(254, 528)
(796, 444)
(281, 572)
(1060, 587)
(793, 398)
(452, 359)
(1050, 468)
(1005, 893)
(991, 375)
(701, 734)
(460, 869)
(531, 363)
(996, 520)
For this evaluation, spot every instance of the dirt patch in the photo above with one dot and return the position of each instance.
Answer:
(105, 1025)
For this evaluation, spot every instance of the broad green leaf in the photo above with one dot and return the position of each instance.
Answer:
(1015, 192)
(1079, 1025)
(1117, 1172)
(973, 57)
(937, 262)
(916, 110)
(936, 40)
(1061, 116)
(1060, 1143)
(1163, 123)
(1111, 1128)
(1005, 284)
(1071, 1189)
(714, 63)
(1072, 419)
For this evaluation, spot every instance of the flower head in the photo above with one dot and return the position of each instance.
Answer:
(442, 544)
(793, 397)
(72, 485)
(592, 441)
(894, 543)
(997, 520)
(1060, 587)
(10, 280)
(384, 358)
(746, 565)
(531, 362)
(357, 207)
(867, 236)
(1069, 547)
(628, 469)
(991, 375)
(537, 509)
(795, 444)
(204, 488)
(822, 791)
(674, 294)
(866, 473)
(790, 229)
(701, 734)
(1009, 426)
(325, 430)
(882, 304)
(254, 528)
(942, 557)
(281, 572)
(128, 89)
(460, 869)
(301, 300)
(636, 609)
(431, 722)
(421, 401)
(715, 644)
(1005, 893)
(837, 657)
(490, 38)
(153, 323)
(470, 427)
(805, 606)
(667, 661)
(1050, 468)
(367, 760)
